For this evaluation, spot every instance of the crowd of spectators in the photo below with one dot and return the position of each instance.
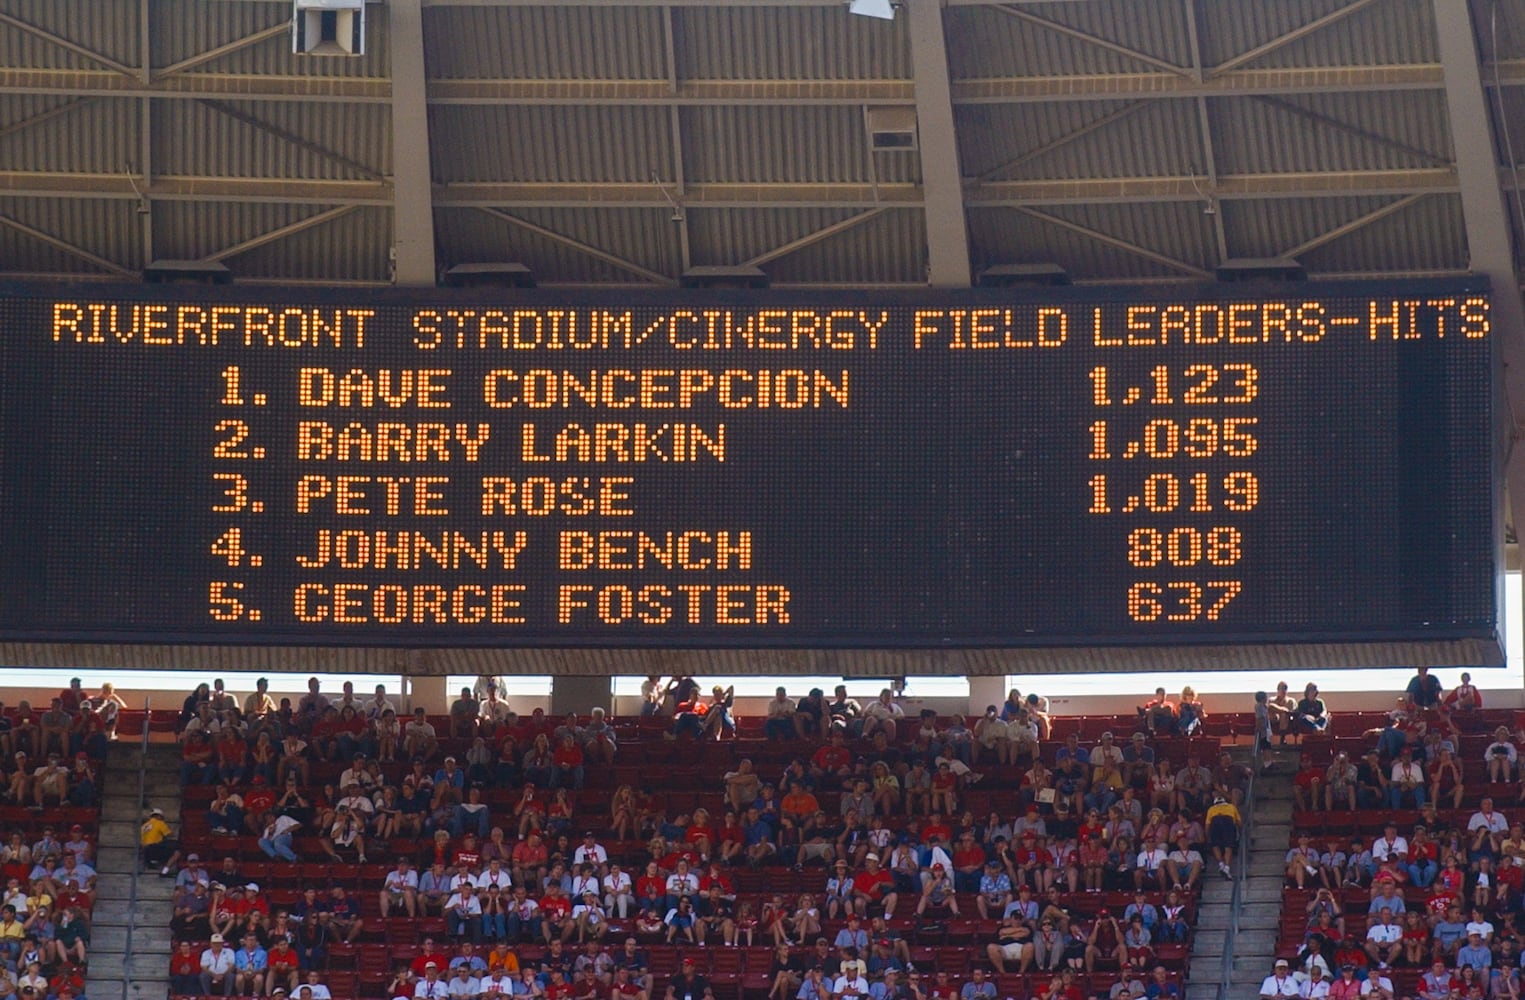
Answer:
(881, 806)
(49, 769)
(1431, 908)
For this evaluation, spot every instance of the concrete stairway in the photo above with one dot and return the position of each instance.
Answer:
(1260, 894)
(119, 909)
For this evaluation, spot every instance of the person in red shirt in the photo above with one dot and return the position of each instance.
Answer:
(184, 970)
(1308, 784)
(558, 988)
(968, 863)
(427, 954)
(873, 885)
(567, 764)
(935, 827)
(832, 758)
(652, 878)
(258, 803)
(699, 834)
(555, 908)
(284, 965)
(467, 857)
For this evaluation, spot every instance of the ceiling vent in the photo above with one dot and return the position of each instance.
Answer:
(490, 275)
(328, 28)
(1261, 269)
(712, 276)
(891, 129)
(1023, 275)
(187, 272)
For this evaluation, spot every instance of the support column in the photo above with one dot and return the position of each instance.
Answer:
(1488, 238)
(984, 691)
(430, 692)
(412, 183)
(581, 693)
(941, 181)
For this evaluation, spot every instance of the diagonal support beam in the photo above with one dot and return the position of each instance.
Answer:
(71, 46)
(1090, 39)
(413, 261)
(1376, 138)
(809, 239)
(57, 111)
(1345, 229)
(1296, 34)
(1115, 242)
(275, 235)
(201, 58)
(941, 180)
(67, 247)
(288, 136)
(1111, 118)
(580, 246)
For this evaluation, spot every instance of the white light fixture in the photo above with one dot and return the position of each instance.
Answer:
(328, 27)
(883, 9)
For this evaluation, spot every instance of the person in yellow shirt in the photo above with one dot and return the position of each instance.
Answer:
(1223, 833)
(12, 934)
(159, 847)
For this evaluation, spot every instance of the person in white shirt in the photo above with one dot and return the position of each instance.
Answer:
(463, 912)
(1408, 780)
(431, 987)
(463, 985)
(590, 852)
(1377, 986)
(589, 917)
(1106, 752)
(400, 888)
(217, 964)
(881, 713)
(1150, 864)
(356, 801)
(1384, 940)
(379, 703)
(585, 881)
(1502, 756)
(356, 774)
(681, 883)
(313, 988)
(494, 875)
(1280, 983)
(1488, 818)
(617, 891)
(849, 986)
(1389, 845)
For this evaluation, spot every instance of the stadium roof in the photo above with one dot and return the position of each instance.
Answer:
(622, 143)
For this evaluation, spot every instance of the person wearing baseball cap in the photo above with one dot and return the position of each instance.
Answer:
(1279, 983)
(159, 847)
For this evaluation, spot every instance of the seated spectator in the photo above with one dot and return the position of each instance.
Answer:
(1310, 715)
(1280, 983)
(1158, 714)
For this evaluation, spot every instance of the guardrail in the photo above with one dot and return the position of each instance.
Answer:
(1240, 873)
(137, 857)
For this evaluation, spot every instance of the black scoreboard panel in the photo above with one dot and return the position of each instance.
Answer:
(1079, 467)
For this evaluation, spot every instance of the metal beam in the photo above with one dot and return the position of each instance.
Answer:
(675, 126)
(578, 245)
(412, 192)
(1130, 86)
(810, 239)
(69, 248)
(1116, 242)
(51, 38)
(288, 136)
(145, 212)
(1347, 183)
(190, 62)
(1093, 40)
(1345, 229)
(275, 235)
(1110, 118)
(941, 181)
(193, 86)
(1376, 138)
(1205, 129)
(1489, 243)
(55, 111)
(1296, 34)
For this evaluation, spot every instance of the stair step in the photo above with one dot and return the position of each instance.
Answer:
(107, 967)
(114, 859)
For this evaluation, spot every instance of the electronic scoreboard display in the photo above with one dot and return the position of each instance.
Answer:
(1224, 463)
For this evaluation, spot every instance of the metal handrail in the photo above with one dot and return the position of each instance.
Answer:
(137, 854)
(1236, 896)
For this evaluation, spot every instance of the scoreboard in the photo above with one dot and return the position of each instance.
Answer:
(1070, 467)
